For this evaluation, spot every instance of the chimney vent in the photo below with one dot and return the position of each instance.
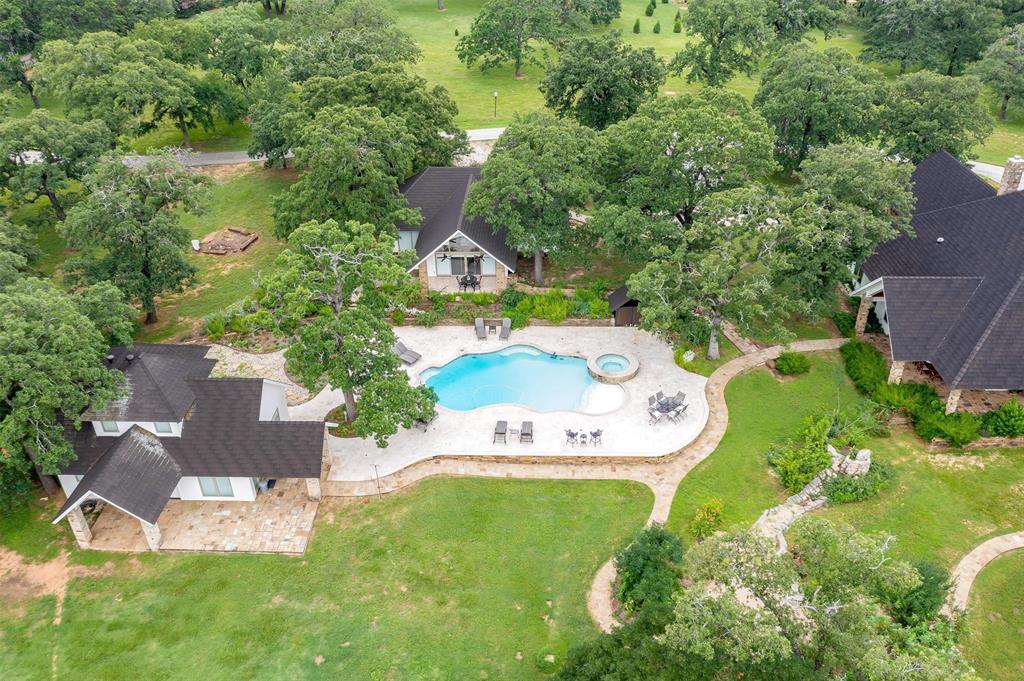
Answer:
(1012, 174)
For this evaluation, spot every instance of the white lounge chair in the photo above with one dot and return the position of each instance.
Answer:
(506, 328)
(481, 330)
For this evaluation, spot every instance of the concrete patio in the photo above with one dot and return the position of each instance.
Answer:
(280, 521)
(626, 429)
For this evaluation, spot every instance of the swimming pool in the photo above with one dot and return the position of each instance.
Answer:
(524, 375)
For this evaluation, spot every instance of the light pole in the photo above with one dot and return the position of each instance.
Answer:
(495, 103)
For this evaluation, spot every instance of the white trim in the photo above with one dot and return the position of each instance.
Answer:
(868, 289)
(459, 232)
(92, 495)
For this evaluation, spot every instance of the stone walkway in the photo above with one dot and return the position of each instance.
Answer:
(966, 571)
(743, 344)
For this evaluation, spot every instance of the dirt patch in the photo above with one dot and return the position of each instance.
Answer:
(21, 581)
(962, 462)
(231, 239)
(229, 171)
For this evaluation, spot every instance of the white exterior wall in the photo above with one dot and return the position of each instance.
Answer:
(125, 426)
(68, 483)
(273, 398)
(188, 489)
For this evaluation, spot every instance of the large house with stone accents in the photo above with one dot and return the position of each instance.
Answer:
(449, 245)
(178, 434)
(952, 294)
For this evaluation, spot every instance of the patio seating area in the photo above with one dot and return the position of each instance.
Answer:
(622, 432)
(666, 409)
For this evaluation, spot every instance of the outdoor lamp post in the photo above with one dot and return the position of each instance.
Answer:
(495, 103)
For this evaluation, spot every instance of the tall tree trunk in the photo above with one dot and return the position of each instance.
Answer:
(350, 406)
(279, 7)
(57, 208)
(1002, 107)
(538, 267)
(184, 132)
(903, 67)
(716, 325)
(440, 5)
(31, 91)
(952, 61)
(151, 311)
(266, 8)
(519, 68)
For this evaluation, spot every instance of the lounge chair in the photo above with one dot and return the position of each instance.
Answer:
(506, 328)
(481, 330)
(501, 432)
(526, 432)
(405, 354)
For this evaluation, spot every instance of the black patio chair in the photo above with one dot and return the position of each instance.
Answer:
(501, 432)
(595, 437)
(526, 432)
(570, 438)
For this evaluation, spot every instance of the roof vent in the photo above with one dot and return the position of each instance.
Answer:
(940, 240)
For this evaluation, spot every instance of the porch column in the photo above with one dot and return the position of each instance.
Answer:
(313, 488)
(862, 316)
(152, 533)
(952, 401)
(896, 372)
(424, 277)
(500, 276)
(80, 527)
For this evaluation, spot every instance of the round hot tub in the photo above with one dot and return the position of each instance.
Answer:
(613, 367)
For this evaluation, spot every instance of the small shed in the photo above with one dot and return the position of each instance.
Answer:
(625, 310)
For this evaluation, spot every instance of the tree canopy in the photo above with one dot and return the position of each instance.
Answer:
(927, 112)
(792, 19)
(658, 165)
(1002, 68)
(816, 98)
(352, 160)
(600, 80)
(129, 229)
(504, 32)
(963, 29)
(729, 37)
(539, 170)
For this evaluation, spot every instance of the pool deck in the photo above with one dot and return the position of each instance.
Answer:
(626, 429)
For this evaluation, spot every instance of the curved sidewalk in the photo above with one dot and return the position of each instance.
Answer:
(966, 571)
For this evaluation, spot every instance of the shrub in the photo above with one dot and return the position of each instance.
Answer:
(792, 363)
(1006, 421)
(865, 366)
(474, 297)
(957, 429)
(680, 356)
(677, 26)
(398, 317)
(846, 322)
(649, 10)
(437, 300)
(590, 304)
(679, 15)
(214, 326)
(429, 318)
(636, 26)
(240, 323)
(707, 519)
(657, 27)
(797, 462)
(923, 602)
(648, 568)
(511, 297)
(844, 489)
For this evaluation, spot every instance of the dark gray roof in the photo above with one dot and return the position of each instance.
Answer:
(155, 386)
(440, 194)
(941, 181)
(222, 435)
(620, 298)
(136, 474)
(981, 239)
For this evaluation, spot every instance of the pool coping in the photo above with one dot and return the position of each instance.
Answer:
(626, 393)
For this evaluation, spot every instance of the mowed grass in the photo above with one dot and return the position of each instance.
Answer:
(239, 200)
(995, 620)
(762, 410)
(453, 579)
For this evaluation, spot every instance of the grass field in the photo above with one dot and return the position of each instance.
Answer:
(996, 619)
(453, 579)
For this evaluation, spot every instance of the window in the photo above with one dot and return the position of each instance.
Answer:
(109, 426)
(162, 426)
(216, 487)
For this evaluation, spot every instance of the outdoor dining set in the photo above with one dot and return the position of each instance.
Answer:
(469, 282)
(663, 408)
(573, 438)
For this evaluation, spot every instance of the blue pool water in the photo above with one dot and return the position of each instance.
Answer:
(520, 374)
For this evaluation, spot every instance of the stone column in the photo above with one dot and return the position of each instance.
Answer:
(896, 372)
(500, 277)
(313, 488)
(1012, 174)
(952, 401)
(80, 527)
(862, 316)
(153, 537)
(424, 277)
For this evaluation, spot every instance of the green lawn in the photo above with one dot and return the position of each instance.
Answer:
(453, 579)
(243, 200)
(762, 410)
(996, 619)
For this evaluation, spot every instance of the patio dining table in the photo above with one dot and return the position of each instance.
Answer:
(666, 405)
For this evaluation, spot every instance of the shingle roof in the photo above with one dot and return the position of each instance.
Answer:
(155, 387)
(223, 436)
(136, 474)
(440, 194)
(978, 238)
(619, 298)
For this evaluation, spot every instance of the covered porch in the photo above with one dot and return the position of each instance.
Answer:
(460, 258)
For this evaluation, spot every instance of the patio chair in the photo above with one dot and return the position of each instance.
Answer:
(656, 417)
(526, 432)
(680, 397)
(651, 401)
(570, 438)
(501, 431)
(506, 328)
(673, 416)
(424, 424)
(595, 437)
(481, 330)
(472, 282)
(405, 354)
(660, 396)
(583, 439)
